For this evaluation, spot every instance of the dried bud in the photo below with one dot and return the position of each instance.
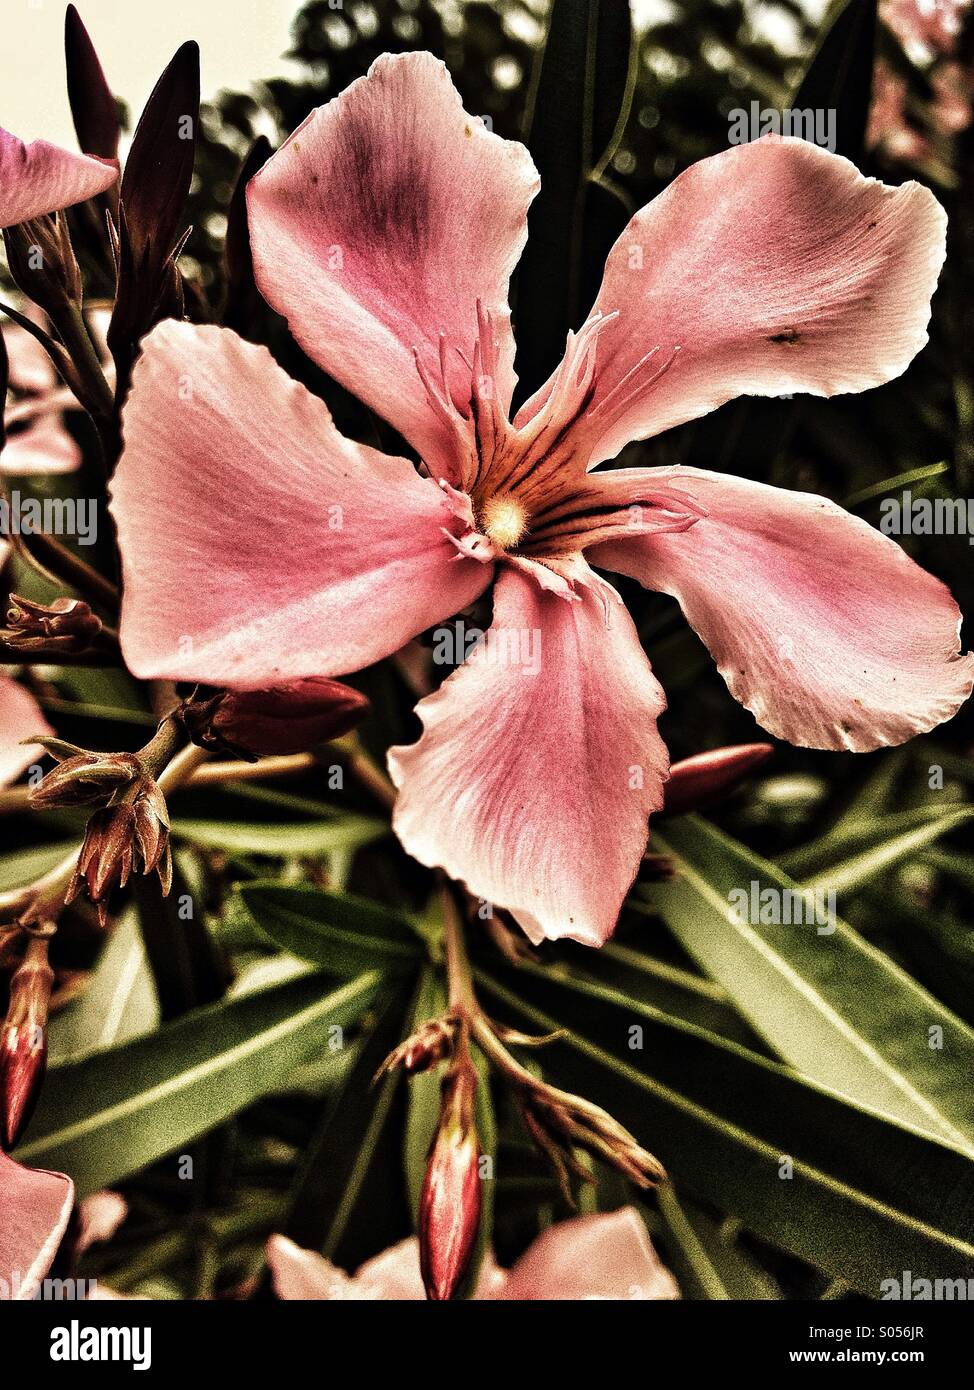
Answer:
(42, 262)
(82, 778)
(451, 1198)
(560, 1122)
(131, 834)
(705, 778)
(287, 719)
(430, 1044)
(67, 624)
(23, 1053)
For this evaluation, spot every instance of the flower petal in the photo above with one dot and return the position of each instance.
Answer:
(822, 627)
(540, 762)
(770, 268)
(40, 178)
(604, 1256)
(375, 230)
(36, 1207)
(20, 717)
(258, 544)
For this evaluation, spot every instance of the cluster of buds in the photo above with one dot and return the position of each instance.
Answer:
(286, 719)
(66, 625)
(23, 1047)
(432, 1042)
(132, 833)
(452, 1197)
(130, 825)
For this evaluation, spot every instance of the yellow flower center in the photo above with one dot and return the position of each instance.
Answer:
(503, 521)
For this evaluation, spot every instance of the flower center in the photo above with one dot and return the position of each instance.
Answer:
(504, 521)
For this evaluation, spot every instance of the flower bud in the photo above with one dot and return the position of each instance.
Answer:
(430, 1044)
(287, 719)
(67, 624)
(42, 262)
(132, 833)
(451, 1197)
(23, 1049)
(706, 777)
(82, 778)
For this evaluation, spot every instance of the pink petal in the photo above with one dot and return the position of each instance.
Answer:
(304, 1275)
(43, 446)
(99, 1216)
(20, 717)
(770, 268)
(604, 1256)
(822, 627)
(377, 227)
(36, 1207)
(258, 544)
(540, 762)
(40, 178)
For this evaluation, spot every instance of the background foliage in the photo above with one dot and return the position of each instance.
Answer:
(213, 1035)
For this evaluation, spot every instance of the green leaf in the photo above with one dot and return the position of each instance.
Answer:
(705, 1258)
(829, 1003)
(25, 865)
(282, 841)
(851, 873)
(840, 74)
(580, 96)
(119, 1000)
(108, 1114)
(337, 931)
(811, 859)
(730, 1127)
(340, 1187)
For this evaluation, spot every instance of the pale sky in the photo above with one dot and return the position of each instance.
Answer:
(240, 41)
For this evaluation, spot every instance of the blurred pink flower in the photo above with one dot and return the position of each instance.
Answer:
(930, 26)
(608, 1256)
(260, 546)
(37, 439)
(889, 128)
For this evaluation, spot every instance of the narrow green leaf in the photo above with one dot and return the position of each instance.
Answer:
(337, 931)
(813, 858)
(851, 873)
(281, 841)
(105, 1115)
(827, 1001)
(757, 1173)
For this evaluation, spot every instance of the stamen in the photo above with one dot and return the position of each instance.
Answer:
(504, 521)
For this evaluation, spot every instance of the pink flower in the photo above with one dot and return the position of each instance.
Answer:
(260, 546)
(39, 178)
(36, 1208)
(20, 717)
(608, 1256)
(37, 439)
(929, 26)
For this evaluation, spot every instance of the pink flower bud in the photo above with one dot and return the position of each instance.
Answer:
(451, 1198)
(287, 719)
(699, 780)
(23, 1048)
